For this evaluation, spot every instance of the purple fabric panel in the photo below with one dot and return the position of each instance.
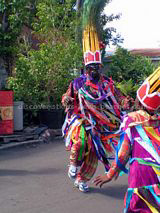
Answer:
(140, 175)
(137, 205)
(137, 150)
(128, 121)
(79, 82)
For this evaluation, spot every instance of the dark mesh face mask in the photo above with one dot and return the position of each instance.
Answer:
(95, 75)
(94, 72)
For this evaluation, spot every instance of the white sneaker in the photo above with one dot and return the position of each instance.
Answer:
(72, 172)
(83, 187)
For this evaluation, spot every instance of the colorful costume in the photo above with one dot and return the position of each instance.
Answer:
(140, 145)
(91, 124)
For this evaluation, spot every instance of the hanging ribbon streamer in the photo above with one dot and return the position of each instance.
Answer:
(82, 135)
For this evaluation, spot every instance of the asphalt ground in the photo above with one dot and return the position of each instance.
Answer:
(33, 179)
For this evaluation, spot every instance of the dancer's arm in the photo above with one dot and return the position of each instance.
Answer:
(123, 156)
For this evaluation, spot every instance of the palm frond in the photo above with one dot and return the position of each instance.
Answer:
(127, 87)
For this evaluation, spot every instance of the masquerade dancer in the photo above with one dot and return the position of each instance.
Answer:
(93, 108)
(140, 146)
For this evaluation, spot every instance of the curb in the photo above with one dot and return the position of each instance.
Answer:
(46, 137)
(38, 141)
(15, 144)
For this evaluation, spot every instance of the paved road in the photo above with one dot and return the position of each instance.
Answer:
(34, 180)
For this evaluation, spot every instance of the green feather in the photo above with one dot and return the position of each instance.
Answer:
(90, 11)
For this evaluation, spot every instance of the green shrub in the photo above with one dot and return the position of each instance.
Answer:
(43, 76)
(125, 66)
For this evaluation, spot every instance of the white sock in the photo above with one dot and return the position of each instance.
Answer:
(72, 167)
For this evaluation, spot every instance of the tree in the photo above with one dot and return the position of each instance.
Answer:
(126, 66)
(110, 33)
(50, 68)
(13, 15)
(128, 70)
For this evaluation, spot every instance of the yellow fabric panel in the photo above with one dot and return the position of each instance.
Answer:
(84, 46)
(152, 132)
(154, 86)
(97, 42)
(86, 39)
(92, 38)
(157, 171)
(148, 204)
(153, 78)
(155, 73)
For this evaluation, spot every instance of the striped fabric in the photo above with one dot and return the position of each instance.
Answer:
(140, 146)
(91, 130)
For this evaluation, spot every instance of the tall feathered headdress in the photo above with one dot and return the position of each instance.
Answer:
(149, 92)
(90, 11)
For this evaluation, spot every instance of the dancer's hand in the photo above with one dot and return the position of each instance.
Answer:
(116, 174)
(101, 179)
(68, 100)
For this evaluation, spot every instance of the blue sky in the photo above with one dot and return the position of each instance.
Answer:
(139, 24)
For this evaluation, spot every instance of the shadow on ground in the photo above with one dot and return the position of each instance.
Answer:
(15, 172)
(117, 191)
(26, 150)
